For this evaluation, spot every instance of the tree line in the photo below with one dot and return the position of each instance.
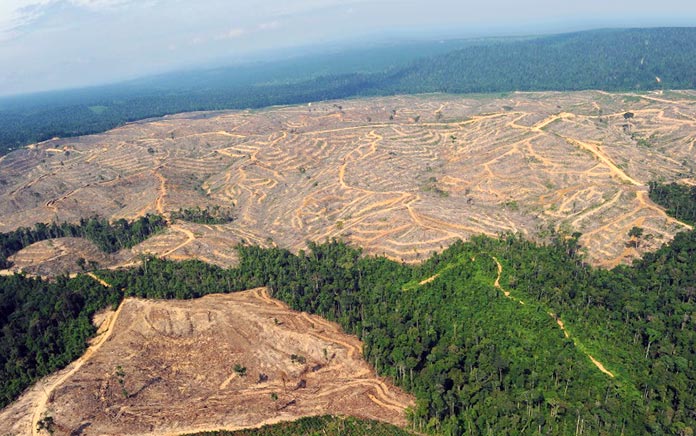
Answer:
(679, 200)
(109, 237)
(318, 426)
(209, 215)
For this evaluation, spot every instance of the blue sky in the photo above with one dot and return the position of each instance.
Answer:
(53, 44)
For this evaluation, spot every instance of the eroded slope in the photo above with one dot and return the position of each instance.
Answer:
(168, 367)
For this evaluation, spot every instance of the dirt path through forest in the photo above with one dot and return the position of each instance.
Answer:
(41, 405)
(560, 323)
(101, 281)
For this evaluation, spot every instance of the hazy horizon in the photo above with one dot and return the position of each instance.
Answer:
(56, 44)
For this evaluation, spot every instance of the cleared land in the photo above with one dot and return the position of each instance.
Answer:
(400, 176)
(168, 367)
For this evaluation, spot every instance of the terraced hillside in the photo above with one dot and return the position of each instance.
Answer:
(400, 176)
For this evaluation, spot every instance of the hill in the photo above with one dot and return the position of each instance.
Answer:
(219, 362)
(496, 334)
(610, 60)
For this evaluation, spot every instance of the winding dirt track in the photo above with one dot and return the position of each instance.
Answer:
(190, 237)
(616, 171)
(560, 323)
(47, 391)
(104, 332)
(99, 280)
(159, 203)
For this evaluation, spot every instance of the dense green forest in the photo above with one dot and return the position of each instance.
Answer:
(679, 200)
(477, 361)
(612, 60)
(109, 237)
(318, 426)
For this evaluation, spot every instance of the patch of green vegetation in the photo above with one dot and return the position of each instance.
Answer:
(240, 370)
(512, 205)
(318, 426)
(641, 141)
(209, 215)
(298, 358)
(679, 200)
(431, 186)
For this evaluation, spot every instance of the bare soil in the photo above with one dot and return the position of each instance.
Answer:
(168, 367)
(399, 176)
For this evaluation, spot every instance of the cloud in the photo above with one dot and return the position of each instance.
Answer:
(15, 14)
(100, 4)
(233, 33)
(269, 26)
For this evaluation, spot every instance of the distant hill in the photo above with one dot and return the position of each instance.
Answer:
(611, 60)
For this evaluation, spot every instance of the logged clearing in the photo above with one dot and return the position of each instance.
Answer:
(168, 367)
(398, 176)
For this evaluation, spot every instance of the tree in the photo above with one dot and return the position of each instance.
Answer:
(635, 234)
(46, 423)
(240, 370)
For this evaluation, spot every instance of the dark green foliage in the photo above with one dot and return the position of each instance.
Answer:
(209, 215)
(612, 60)
(318, 426)
(300, 359)
(240, 370)
(679, 200)
(44, 326)
(46, 423)
(108, 237)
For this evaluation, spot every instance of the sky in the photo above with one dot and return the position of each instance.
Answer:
(55, 44)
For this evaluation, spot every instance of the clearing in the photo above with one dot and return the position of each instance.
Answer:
(399, 176)
(227, 361)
